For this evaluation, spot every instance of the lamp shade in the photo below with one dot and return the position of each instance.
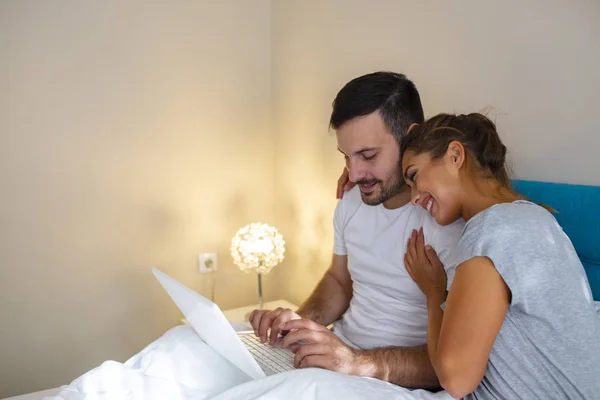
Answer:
(258, 247)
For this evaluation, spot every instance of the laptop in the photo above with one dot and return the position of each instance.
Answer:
(242, 349)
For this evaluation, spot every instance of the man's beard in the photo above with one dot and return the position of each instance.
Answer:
(383, 190)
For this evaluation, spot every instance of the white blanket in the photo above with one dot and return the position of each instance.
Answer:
(310, 384)
(179, 365)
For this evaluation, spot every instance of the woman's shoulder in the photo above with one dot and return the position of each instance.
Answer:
(515, 214)
(519, 226)
(517, 220)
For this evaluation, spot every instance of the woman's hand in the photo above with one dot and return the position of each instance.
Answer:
(344, 184)
(424, 266)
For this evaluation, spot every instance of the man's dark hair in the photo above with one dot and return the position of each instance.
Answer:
(392, 94)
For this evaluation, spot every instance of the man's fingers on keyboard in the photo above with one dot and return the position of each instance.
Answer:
(316, 361)
(274, 334)
(302, 335)
(308, 350)
(275, 328)
(304, 323)
(266, 322)
(284, 316)
(255, 319)
(251, 319)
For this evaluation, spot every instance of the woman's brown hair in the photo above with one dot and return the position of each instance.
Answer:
(478, 135)
(475, 131)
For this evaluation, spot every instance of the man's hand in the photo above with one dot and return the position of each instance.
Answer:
(344, 184)
(323, 348)
(319, 347)
(263, 320)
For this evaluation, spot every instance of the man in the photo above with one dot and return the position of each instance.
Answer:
(378, 313)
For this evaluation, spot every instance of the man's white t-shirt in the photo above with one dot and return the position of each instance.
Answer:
(387, 306)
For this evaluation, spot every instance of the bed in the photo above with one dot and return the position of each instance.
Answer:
(36, 395)
(577, 213)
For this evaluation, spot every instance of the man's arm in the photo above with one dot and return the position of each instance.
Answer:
(332, 296)
(327, 303)
(409, 367)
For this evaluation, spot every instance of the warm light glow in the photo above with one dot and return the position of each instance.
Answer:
(258, 247)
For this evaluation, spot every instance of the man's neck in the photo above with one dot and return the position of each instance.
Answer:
(399, 200)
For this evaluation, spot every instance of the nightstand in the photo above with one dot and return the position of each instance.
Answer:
(239, 316)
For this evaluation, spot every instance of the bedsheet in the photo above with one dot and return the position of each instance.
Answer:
(179, 365)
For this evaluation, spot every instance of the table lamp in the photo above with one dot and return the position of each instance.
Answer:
(257, 247)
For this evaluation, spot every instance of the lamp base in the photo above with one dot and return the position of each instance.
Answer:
(260, 296)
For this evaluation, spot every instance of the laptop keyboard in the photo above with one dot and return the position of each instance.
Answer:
(273, 358)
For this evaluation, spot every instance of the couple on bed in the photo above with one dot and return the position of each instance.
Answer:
(441, 274)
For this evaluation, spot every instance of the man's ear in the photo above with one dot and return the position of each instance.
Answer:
(412, 126)
(456, 154)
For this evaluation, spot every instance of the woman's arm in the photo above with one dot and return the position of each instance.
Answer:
(460, 338)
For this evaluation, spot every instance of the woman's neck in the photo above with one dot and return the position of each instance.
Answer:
(481, 194)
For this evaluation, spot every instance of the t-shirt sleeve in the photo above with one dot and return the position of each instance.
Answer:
(339, 224)
(509, 244)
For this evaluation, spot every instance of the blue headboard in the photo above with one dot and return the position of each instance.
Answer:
(578, 212)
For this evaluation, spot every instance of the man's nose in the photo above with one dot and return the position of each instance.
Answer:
(355, 172)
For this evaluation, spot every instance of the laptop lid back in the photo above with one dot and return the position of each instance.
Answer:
(210, 324)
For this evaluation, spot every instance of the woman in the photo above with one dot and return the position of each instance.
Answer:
(518, 321)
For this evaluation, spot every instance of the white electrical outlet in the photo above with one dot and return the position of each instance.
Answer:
(207, 262)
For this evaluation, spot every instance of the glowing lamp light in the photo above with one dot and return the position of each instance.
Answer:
(257, 247)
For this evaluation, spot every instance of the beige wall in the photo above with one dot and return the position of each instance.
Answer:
(136, 134)
(536, 62)
(132, 134)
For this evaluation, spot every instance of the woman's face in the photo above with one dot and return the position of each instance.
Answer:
(435, 184)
